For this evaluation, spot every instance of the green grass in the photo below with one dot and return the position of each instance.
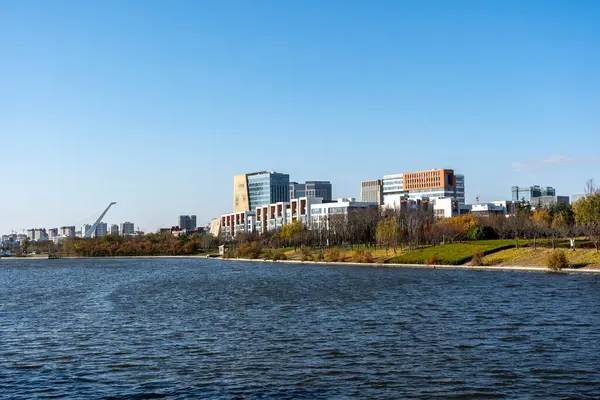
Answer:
(455, 253)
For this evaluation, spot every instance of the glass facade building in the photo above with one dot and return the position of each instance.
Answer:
(267, 188)
(526, 193)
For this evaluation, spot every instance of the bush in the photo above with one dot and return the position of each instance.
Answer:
(319, 256)
(432, 260)
(279, 255)
(333, 255)
(478, 232)
(363, 256)
(228, 254)
(477, 258)
(250, 250)
(306, 254)
(557, 260)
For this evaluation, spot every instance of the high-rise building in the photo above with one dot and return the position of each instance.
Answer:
(127, 228)
(322, 189)
(186, 222)
(114, 230)
(460, 188)
(84, 229)
(52, 233)
(372, 191)
(67, 231)
(37, 234)
(101, 229)
(526, 193)
(259, 188)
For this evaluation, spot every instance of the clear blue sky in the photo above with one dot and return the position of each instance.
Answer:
(157, 104)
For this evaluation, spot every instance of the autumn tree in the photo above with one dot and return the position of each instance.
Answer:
(587, 216)
(387, 233)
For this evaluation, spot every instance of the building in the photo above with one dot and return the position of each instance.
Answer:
(576, 197)
(446, 208)
(84, 229)
(52, 233)
(215, 227)
(423, 186)
(460, 189)
(526, 193)
(312, 212)
(393, 190)
(114, 230)
(548, 201)
(372, 191)
(67, 231)
(101, 230)
(259, 188)
(322, 214)
(271, 217)
(37, 234)
(237, 222)
(127, 228)
(186, 222)
(322, 189)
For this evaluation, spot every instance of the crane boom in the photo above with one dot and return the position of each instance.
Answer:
(92, 229)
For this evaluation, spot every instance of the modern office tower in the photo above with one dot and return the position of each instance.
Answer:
(258, 188)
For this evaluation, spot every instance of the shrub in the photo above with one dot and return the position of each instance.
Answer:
(279, 255)
(319, 256)
(557, 260)
(268, 254)
(477, 258)
(479, 232)
(333, 254)
(306, 254)
(432, 260)
(363, 256)
(228, 254)
(250, 250)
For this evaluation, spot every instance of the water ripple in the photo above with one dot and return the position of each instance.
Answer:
(142, 329)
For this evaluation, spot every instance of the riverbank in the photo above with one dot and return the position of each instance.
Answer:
(517, 268)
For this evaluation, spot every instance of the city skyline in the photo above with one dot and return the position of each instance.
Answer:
(99, 98)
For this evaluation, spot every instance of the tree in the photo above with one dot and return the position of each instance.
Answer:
(387, 233)
(539, 224)
(587, 216)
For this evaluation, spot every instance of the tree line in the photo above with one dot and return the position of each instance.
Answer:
(393, 229)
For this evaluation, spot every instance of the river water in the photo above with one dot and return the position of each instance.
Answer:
(195, 328)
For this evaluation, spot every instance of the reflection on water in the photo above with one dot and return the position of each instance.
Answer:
(212, 329)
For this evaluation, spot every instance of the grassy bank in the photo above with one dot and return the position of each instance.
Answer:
(581, 258)
(452, 254)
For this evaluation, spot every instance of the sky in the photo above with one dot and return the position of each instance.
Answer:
(156, 105)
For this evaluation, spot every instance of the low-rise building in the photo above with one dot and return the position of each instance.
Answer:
(548, 201)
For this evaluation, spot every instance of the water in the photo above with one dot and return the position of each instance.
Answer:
(121, 329)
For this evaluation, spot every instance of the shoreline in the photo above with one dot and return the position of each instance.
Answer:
(506, 268)
(515, 268)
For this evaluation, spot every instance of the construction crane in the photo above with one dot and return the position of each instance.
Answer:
(88, 234)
